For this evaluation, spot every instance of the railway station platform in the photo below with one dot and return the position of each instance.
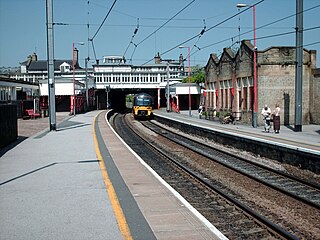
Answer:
(82, 182)
(308, 139)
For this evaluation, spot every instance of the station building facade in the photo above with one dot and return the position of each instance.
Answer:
(229, 83)
(113, 73)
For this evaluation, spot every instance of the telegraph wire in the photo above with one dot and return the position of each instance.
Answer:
(94, 51)
(224, 40)
(104, 20)
(309, 44)
(240, 12)
(131, 41)
(263, 26)
(286, 33)
(265, 37)
(199, 36)
(281, 19)
(164, 24)
(207, 30)
(135, 47)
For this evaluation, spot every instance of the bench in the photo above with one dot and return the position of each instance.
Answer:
(32, 114)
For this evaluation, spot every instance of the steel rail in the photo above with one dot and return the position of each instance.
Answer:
(274, 228)
(257, 178)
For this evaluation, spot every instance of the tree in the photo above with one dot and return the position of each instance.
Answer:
(197, 75)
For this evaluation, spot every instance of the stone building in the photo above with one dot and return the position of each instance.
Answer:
(229, 83)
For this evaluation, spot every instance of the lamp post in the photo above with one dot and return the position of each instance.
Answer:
(189, 71)
(50, 67)
(73, 77)
(168, 88)
(87, 94)
(255, 82)
(168, 82)
(107, 91)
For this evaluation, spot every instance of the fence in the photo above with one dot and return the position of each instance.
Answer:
(8, 124)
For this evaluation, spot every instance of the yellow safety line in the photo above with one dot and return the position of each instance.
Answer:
(123, 226)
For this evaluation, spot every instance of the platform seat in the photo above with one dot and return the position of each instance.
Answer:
(31, 114)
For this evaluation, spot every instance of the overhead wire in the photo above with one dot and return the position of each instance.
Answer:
(131, 40)
(263, 26)
(209, 29)
(166, 22)
(227, 39)
(163, 24)
(105, 18)
(313, 43)
(200, 35)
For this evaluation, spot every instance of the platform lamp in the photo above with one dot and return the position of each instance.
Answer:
(189, 71)
(255, 90)
(73, 77)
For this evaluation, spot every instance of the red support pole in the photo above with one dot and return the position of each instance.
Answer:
(255, 82)
(189, 73)
(74, 84)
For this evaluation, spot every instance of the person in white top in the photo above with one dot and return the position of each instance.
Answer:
(266, 113)
(276, 119)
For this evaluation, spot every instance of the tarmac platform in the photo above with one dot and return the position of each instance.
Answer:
(81, 182)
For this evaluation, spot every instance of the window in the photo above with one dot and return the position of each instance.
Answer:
(245, 98)
(227, 99)
(143, 102)
(222, 98)
(65, 67)
(251, 98)
(239, 83)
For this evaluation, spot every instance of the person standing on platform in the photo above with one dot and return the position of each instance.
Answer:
(266, 113)
(200, 110)
(276, 119)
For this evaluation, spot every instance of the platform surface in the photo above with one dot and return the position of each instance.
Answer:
(52, 187)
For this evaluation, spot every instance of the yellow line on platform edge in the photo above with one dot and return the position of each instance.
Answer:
(122, 223)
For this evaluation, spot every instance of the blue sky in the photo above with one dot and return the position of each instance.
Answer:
(23, 28)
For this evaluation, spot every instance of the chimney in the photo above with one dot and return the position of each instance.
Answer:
(313, 58)
(181, 60)
(34, 57)
(75, 56)
(157, 58)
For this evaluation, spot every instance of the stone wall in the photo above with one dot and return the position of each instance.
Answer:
(315, 97)
(276, 82)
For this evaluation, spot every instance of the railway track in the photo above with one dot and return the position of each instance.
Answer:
(214, 202)
(299, 189)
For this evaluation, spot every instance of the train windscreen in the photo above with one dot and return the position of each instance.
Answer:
(143, 102)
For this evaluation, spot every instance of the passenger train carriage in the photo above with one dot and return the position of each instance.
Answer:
(142, 106)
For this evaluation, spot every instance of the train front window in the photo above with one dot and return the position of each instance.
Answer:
(143, 102)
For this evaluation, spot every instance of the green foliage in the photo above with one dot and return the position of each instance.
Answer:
(129, 98)
(197, 75)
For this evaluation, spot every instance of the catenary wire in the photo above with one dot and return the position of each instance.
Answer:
(104, 20)
(263, 26)
(209, 29)
(131, 40)
(163, 24)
